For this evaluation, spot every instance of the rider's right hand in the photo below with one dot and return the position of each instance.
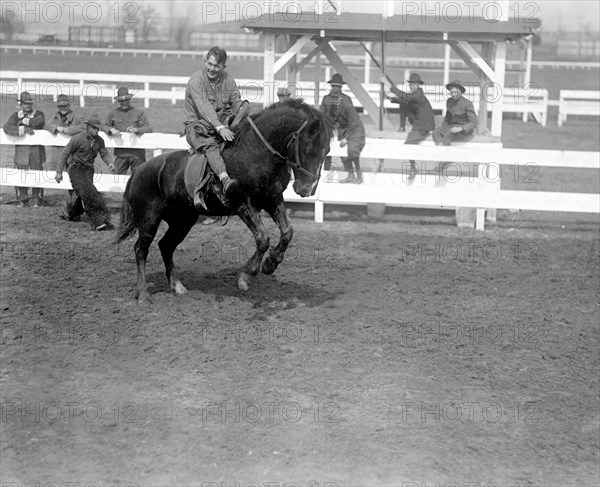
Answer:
(227, 134)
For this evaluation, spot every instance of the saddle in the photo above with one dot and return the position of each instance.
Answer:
(199, 180)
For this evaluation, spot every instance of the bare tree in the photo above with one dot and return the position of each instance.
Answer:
(180, 30)
(11, 26)
(147, 22)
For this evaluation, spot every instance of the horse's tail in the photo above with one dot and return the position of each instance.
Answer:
(127, 226)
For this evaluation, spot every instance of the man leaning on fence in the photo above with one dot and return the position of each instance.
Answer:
(460, 121)
(126, 118)
(26, 121)
(79, 156)
(65, 121)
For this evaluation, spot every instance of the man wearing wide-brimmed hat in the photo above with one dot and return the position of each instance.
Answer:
(126, 118)
(460, 120)
(420, 112)
(79, 156)
(351, 131)
(26, 121)
(65, 121)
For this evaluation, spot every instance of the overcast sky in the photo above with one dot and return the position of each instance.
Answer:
(570, 14)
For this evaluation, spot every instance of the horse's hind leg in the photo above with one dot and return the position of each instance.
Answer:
(173, 237)
(252, 219)
(276, 255)
(141, 247)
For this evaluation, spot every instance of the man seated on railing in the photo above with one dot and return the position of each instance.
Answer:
(419, 111)
(126, 118)
(460, 121)
(65, 121)
(26, 121)
(79, 156)
(351, 131)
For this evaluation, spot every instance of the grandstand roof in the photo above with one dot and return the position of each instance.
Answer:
(399, 28)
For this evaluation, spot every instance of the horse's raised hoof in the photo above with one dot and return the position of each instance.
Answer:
(245, 281)
(268, 266)
(179, 288)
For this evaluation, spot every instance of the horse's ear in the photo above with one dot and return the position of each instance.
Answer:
(314, 127)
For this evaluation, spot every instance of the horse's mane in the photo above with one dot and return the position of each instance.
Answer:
(291, 105)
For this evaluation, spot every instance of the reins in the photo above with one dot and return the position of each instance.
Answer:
(295, 137)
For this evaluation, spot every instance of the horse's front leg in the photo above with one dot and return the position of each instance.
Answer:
(276, 255)
(252, 220)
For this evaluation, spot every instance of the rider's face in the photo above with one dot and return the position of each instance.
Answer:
(213, 68)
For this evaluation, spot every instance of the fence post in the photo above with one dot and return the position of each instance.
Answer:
(81, 97)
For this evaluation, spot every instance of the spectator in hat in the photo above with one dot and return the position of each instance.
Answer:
(460, 120)
(419, 111)
(213, 107)
(283, 94)
(351, 131)
(65, 121)
(26, 121)
(126, 118)
(78, 157)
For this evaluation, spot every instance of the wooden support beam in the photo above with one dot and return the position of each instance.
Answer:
(488, 52)
(500, 71)
(366, 101)
(268, 69)
(290, 53)
(473, 59)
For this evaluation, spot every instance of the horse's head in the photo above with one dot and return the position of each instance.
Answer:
(307, 148)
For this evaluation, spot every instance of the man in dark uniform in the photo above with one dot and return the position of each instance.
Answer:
(460, 121)
(212, 100)
(20, 123)
(126, 118)
(419, 111)
(79, 156)
(65, 121)
(351, 131)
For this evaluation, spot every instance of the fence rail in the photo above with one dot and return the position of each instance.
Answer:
(90, 87)
(463, 188)
(351, 59)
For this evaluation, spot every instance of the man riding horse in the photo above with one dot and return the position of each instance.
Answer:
(212, 105)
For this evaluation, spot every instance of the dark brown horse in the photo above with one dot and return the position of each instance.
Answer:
(289, 137)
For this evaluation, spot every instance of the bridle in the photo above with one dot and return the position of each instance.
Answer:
(294, 137)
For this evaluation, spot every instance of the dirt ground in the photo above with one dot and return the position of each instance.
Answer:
(403, 351)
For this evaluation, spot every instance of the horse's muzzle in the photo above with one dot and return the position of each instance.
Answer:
(303, 190)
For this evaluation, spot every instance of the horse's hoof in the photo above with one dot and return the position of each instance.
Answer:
(268, 266)
(179, 288)
(245, 281)
(144, 298)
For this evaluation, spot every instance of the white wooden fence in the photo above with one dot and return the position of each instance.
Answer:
(577, 102)
(458, 188)
(351, 59)
(91, 87)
